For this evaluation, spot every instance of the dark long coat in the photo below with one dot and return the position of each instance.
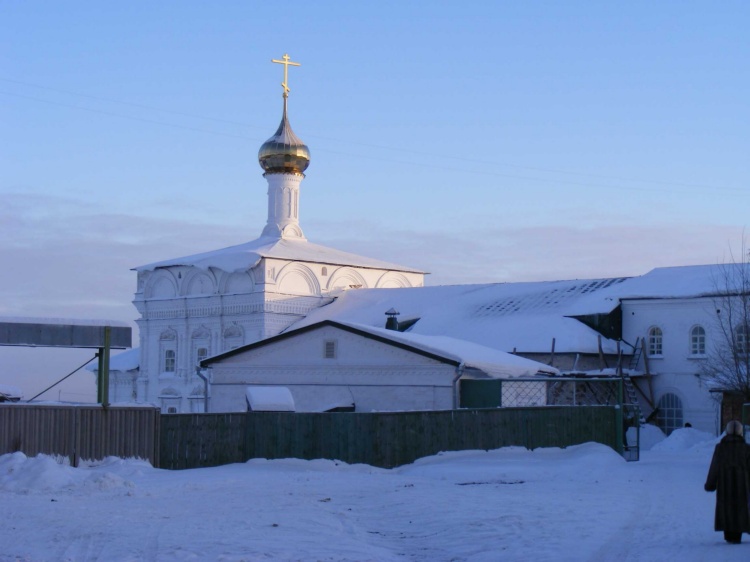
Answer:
(729, 476)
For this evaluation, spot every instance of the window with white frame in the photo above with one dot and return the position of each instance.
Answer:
(168, 352)
(669, 413)
(742, 339)
(654, 342)
(698, 341)
(170, 358)
(329, 349)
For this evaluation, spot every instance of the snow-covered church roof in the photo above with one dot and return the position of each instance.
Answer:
(507, 316)
(523, 316)
(246, 256)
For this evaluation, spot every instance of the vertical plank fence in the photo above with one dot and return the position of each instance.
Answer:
(379, 439)
(80, 432)
(179, 441)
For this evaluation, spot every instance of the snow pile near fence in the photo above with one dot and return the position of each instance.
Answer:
(19, 473)
(45, 473)
(686, 439)
(650, 435)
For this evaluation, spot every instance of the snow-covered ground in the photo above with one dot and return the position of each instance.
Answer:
(579, 503)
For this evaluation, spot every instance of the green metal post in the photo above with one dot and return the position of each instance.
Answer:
(619, 419)
(102, 378)
(99, 370)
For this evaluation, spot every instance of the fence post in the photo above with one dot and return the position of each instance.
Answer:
(619, 429)
(102, 382)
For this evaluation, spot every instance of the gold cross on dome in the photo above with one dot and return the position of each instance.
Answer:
(286, 62)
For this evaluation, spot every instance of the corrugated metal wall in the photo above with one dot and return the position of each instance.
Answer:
(380, 439)
(80, 432)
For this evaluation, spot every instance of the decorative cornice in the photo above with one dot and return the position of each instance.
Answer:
(228, 306)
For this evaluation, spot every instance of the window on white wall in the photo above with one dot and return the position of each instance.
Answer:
(654, 342)
(200, 354)
(669, 414)
(168, 351)
(743, 341)
(329, 349)
(170, 358)
(698, 341)
(201, 344)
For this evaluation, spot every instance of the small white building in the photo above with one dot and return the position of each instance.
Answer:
(676, 311)
(332, 366)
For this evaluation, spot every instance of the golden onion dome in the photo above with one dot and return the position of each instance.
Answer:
(284, 152)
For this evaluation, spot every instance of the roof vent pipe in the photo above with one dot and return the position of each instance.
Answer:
(392, 322)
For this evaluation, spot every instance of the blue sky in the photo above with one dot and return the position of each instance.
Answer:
(480, 141)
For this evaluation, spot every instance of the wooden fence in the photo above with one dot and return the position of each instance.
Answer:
(177, 441)
(80, 432)
(379, 439)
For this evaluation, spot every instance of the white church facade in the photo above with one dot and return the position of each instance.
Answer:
(201, 305)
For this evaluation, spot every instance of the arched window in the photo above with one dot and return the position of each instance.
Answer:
(168, 351)
(654, 341)
(697, 341)
(169, 360)
(669, 415)
(743, 342)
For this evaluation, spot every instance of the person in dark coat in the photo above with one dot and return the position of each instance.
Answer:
(729, 477)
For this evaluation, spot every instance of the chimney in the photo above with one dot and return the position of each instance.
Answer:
(392, 323)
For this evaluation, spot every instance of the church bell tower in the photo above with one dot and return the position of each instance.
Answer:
(284, 158)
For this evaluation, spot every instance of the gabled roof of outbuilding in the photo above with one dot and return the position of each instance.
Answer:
(492, 362)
